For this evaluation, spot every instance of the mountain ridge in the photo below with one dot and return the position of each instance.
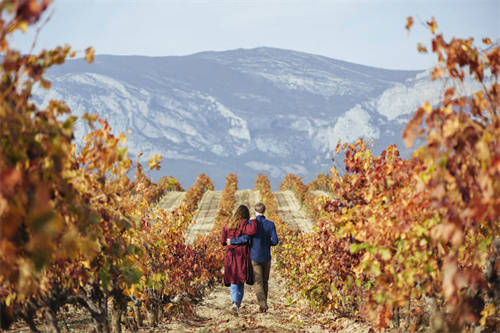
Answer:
(200, 53)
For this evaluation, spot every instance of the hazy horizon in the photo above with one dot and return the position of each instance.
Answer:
(369, 33)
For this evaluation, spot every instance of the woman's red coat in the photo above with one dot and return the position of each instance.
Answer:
(237, 263)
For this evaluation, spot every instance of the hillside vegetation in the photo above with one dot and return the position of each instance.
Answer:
(404, 244)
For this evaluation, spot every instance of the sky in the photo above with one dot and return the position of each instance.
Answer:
(369, 32)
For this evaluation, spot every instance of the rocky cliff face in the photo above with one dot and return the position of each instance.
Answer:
(245, 111)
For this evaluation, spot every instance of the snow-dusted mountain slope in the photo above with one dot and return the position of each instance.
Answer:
(244, 111)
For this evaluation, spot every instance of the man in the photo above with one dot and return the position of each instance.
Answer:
(260, 253)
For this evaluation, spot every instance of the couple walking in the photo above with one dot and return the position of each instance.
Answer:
(248, 254)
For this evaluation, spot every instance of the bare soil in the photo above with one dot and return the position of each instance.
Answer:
(287, 313)
(171, 200)
(248, 198)
(291, 212)
(321, 193)
(204, 220)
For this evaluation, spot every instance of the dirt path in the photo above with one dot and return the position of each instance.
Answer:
(171, 200)
(287, 313)
(290, 211)
(204, 221)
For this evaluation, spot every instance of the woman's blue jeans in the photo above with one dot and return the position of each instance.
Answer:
(237, 291)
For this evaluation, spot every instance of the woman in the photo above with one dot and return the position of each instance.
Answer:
(237, 262)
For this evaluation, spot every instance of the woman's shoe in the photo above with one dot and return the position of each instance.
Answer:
(234, 309)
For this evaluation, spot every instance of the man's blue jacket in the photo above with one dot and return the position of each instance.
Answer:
(266, 236)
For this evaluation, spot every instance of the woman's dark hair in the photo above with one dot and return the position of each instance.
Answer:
(242, 213)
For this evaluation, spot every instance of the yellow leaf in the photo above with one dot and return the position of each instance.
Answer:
(86, 264)
(487, 311)
(409, 23)
(10, 298)
(432, 25)
(89, 55)
(450, 127)
(487, 41)
(23, 26)
(421, 48)
(482, 149)
(45, 84)
(126, 292)
(337, 149)
(154, 162)
(427, 107)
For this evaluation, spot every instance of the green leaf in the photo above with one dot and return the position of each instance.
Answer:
(385, 254)
(131, 275)
(354, 248)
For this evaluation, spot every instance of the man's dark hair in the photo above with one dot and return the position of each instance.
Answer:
(260, 208)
